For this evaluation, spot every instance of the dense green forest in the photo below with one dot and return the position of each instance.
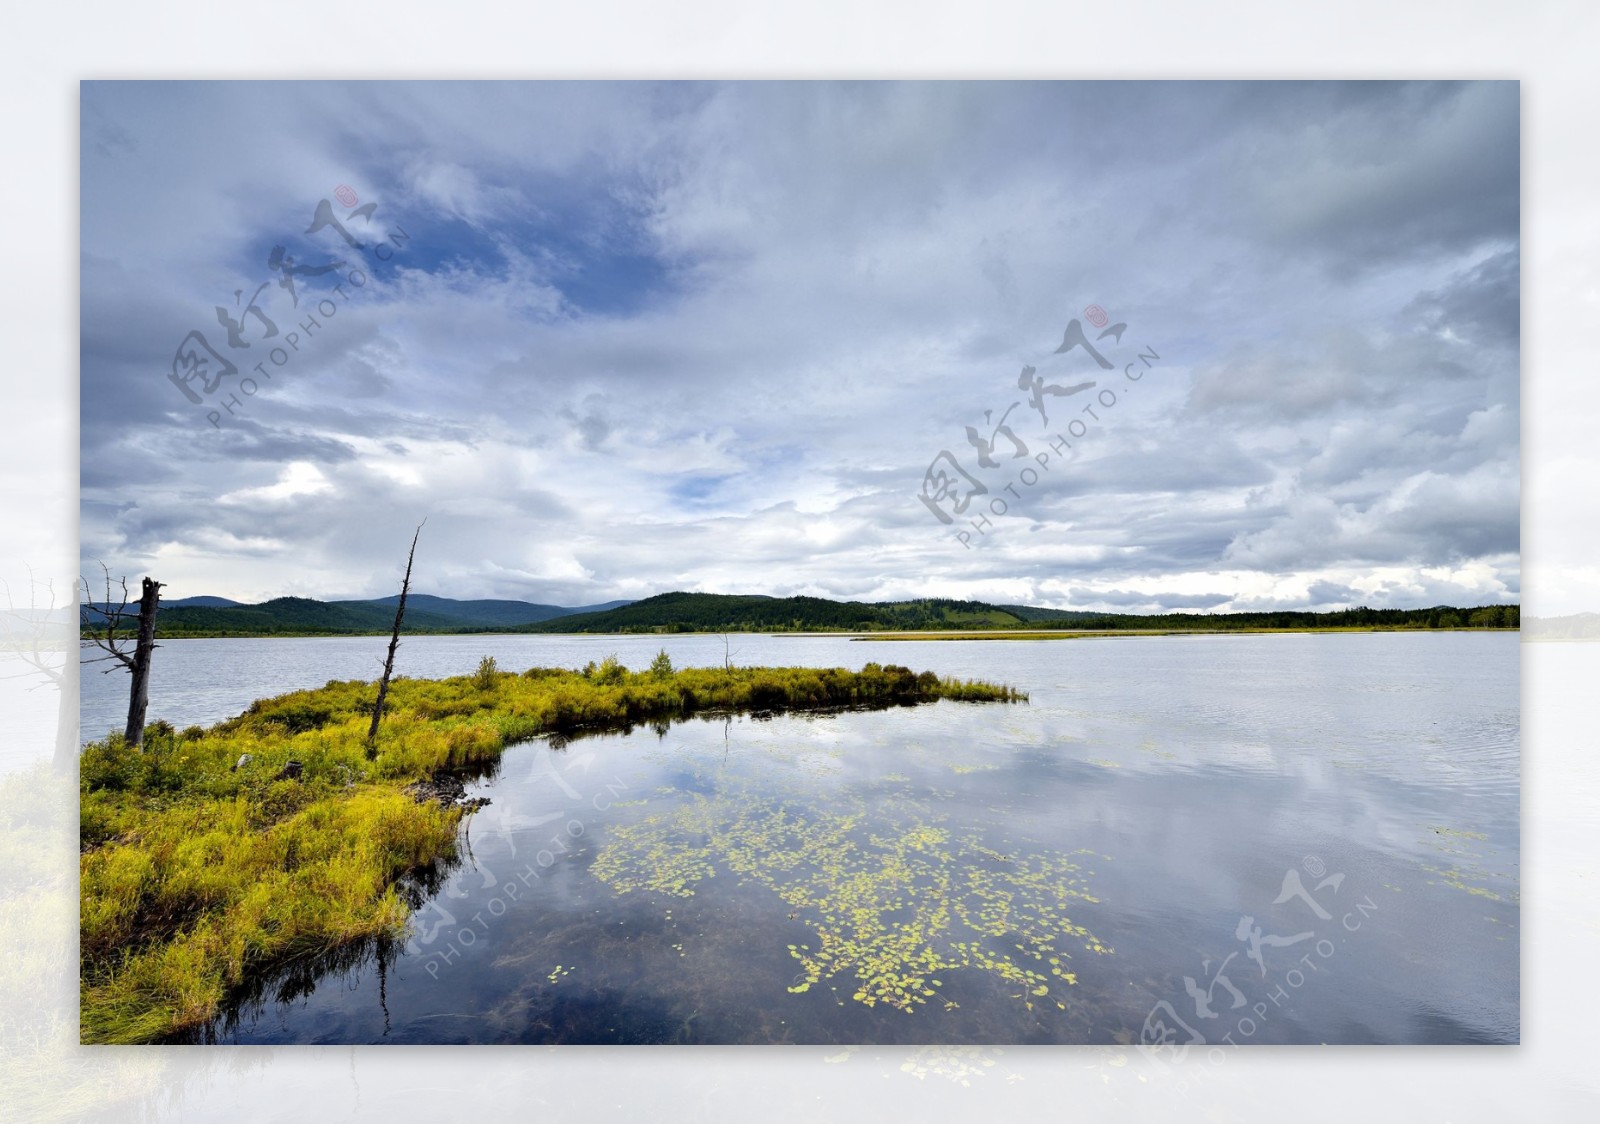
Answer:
(715, 613)
(298, 617)
(753, 613)
(307, 617)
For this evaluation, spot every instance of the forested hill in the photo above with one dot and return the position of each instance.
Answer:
(716, 613)
(306, 617)
(754, 613)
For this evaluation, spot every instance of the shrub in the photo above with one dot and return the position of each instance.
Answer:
(487, 675)
(111, 764)
(661, 666)
(611, 671)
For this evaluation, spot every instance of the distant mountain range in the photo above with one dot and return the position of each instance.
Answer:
(207, 616)
(210, 616)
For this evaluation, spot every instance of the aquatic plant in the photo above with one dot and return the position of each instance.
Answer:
(897, 903)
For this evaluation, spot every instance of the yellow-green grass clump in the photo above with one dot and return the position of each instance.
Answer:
(199, 873)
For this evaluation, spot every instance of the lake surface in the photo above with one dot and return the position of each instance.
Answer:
(1320, 832)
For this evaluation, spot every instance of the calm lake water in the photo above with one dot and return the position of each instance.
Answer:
(1279, 838)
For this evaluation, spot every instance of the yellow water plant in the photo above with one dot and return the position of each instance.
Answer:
(897, 902)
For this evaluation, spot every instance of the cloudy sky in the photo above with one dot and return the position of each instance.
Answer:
(615, 339)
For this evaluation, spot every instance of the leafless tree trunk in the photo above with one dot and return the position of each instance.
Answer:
(139, 698)
(394, 643)
(104, 635)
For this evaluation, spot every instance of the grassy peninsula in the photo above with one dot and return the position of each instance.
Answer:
(199, 874)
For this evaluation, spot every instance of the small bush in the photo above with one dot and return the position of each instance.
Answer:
(293, 717)
(487, 675)
(111, 764)
(661, 666)
(610, 671)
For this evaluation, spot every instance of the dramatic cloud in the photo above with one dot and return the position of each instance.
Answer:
(613, 339)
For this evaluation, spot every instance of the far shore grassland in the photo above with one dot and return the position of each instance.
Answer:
(1082, 634)
(203, 870)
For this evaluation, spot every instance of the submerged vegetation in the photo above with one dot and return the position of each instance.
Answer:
(212, 856)
(897, 902)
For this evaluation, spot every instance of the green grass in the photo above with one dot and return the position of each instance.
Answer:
(196, 879)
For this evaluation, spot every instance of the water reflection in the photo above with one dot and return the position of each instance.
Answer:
(916, 876)
(919, 875)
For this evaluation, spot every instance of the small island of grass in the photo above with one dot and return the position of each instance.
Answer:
(213, 856)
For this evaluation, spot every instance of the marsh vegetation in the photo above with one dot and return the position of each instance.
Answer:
(212, 855)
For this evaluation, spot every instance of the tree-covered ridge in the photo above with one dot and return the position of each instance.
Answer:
(692, 613)
(1435, 617)
(755, 613)
(308, 617)
(212, 856)
(296, 617)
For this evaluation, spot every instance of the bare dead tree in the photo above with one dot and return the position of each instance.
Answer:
(109, 634)
(36, 635)
(394, 643)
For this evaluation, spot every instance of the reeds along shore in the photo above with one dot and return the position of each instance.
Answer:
(206, 858)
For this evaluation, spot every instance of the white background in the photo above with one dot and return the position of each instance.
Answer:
(1551, 47)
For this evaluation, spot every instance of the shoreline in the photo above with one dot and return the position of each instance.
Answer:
(1089, 634)
(872, 635)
